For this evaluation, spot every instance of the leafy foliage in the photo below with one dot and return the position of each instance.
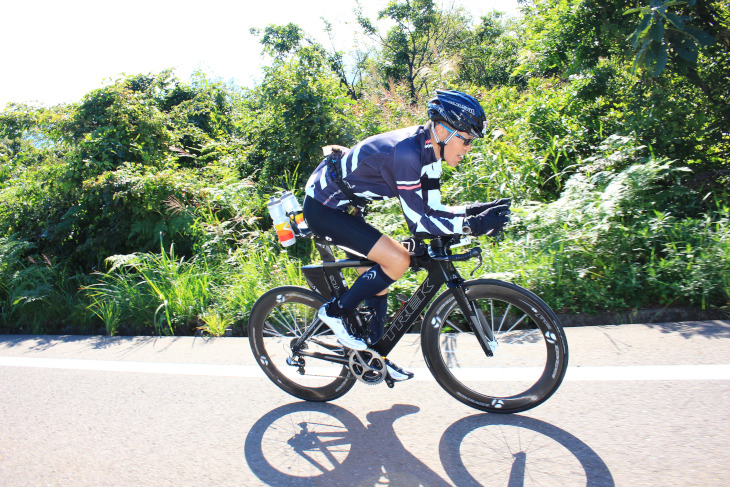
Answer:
(299, 108)
(490, 57)
(612, 240)
(418, 42)
(142, 209)
(662, 30)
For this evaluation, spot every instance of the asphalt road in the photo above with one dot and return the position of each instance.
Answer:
(641, 405)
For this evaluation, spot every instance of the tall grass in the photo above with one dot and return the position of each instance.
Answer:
(164, 294)
(251, 272)
(38, 294)
(157, 290)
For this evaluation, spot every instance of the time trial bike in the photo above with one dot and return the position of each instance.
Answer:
(492, 345)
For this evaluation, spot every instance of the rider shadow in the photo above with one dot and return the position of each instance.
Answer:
(512, 450)
(304, 444)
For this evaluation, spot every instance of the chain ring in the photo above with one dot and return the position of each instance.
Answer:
(367, 366)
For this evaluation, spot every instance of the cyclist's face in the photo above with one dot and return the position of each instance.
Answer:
(456, 149)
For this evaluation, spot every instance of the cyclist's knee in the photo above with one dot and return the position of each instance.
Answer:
(392, 257)
(396, 268)
(402, 262)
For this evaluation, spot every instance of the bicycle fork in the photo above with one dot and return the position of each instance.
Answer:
(476, 320)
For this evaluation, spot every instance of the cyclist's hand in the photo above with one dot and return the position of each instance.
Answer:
(477, 208)
(490, 221)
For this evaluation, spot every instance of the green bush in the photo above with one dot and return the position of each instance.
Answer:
(299, 108)
(618, 240)
(38, 294)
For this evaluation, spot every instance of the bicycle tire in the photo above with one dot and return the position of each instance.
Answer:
(278, 318)
(531, 355)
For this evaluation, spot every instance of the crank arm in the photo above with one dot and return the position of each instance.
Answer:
(329, 346)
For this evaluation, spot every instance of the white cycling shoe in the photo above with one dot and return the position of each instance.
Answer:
(397, 373)
(337, 325)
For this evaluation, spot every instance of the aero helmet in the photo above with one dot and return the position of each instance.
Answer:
(461, 111)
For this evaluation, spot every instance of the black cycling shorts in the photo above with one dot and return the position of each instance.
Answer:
(352, 233)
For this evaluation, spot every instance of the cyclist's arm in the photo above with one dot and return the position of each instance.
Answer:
(431, 177)
(427, 216)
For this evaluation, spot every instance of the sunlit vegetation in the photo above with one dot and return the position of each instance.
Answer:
(142, 208)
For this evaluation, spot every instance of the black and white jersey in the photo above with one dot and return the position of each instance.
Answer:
(399, 164)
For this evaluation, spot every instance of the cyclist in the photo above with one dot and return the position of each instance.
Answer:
(406, 164)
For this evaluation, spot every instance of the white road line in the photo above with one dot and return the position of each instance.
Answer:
(600, 373)
(650, 372)
(135, 367)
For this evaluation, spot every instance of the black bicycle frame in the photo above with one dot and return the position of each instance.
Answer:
(327, 280)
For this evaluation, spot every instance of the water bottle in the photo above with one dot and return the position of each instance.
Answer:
(293, 210)
(281, 222)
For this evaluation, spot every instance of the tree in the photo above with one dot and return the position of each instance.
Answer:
(681, 113)
(29, 134)
(121, 123)
(149, 119)
(91, 180)
(280, 41)
(492, 55)
(284, 41)
(299, 107)
(667, 28)
(351, 76)
(564, 37)
(423, 36)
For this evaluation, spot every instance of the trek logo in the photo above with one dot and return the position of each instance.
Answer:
(412, 306)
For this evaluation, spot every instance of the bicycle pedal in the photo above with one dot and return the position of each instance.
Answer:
(389, 382)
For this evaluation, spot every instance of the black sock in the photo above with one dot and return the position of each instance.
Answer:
(368, 284)
(379, 304)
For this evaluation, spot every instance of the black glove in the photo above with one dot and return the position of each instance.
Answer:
(489, 222)
(476, 208)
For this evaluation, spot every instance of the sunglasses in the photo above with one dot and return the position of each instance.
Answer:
(467, 142)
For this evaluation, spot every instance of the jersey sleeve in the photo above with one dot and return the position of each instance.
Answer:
(419, 192)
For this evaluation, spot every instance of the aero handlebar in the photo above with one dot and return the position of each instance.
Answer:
(475, 252)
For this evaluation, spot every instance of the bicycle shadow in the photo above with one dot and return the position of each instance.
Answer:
(305, 444)
(496, 449)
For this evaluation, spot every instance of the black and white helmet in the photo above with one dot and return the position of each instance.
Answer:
(459, 110)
